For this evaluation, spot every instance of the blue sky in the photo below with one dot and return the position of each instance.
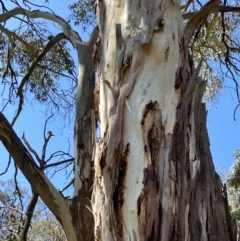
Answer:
(223, 131)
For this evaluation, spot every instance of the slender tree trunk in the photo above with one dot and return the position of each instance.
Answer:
(80, 209)
(154, 175)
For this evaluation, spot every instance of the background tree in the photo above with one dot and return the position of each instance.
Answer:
(13, 211)
(152, 177)
(233, 184)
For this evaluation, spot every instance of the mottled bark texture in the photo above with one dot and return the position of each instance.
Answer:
(80, 209)
(154, 175)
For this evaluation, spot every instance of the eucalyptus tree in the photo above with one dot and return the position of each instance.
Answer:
(150, 175)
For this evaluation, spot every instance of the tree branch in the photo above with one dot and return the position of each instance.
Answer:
(68, 31)
(198, 19)
(59, 163)
(31, 149)
(29, 214)
(50, 45)
(216, 9)
(14, 35)
(86, 79)
(8, 165)
(46, 139)
(23, 159)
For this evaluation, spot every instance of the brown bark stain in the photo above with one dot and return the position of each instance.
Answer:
(127, 61)
(178, 78)
(118, 194)
(96, 101)
(203, 193)
(149, 204)
(146, 49)
(151, 106)
(97, 52)
(154, 143)
(102, 161)
(148, 207)
(82, 208)
(166, 54)
(174, 233)
(73, 209)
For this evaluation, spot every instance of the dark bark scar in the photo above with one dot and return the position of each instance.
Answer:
(154, 142)
(166, 54)
(148, 107)
(119, 190)
(118, 194)
(178, 78)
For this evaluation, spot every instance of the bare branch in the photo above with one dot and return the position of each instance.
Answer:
(31, 149)
(29, 214)
(3, 6)
(235, 110)
(8, 165)
(216, 9)
(59, 163)
(46, 139)
(68, 185)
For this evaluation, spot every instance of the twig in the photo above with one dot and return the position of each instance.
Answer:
(31, 149)
(59, 163)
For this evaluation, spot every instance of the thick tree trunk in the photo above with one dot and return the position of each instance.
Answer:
(154, 175)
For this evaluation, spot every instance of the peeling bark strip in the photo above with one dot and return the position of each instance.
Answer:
(150, 104)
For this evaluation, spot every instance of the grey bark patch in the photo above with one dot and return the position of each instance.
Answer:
(144, 92)
(145, 20)
(150, 106)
